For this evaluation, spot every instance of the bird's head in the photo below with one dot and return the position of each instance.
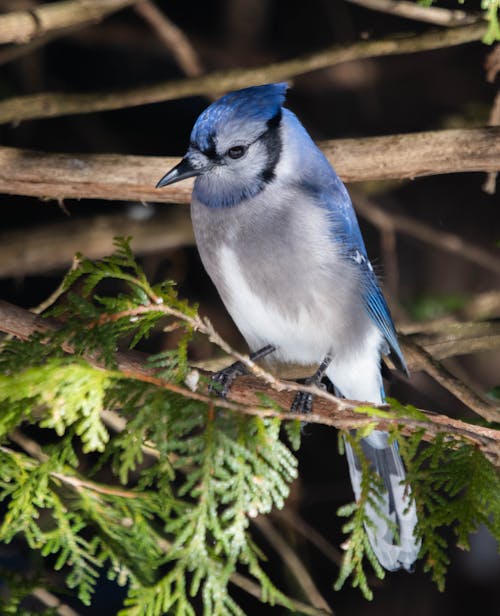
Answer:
(235, 146)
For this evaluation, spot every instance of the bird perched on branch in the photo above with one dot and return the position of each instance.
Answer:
(277, 234)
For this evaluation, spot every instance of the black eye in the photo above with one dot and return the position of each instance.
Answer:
(237, 151)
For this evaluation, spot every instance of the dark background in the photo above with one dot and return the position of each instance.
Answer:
(397, 94)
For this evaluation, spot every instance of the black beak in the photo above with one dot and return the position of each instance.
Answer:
(180, 172)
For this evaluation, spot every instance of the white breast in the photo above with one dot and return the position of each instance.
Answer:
(298, 337)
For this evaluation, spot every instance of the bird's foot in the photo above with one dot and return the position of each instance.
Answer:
(220, 383)
(303, 400)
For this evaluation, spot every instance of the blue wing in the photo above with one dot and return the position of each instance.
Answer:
(346, 230)
(380, 314)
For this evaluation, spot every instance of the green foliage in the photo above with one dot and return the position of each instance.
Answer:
(429, 307)
(193, 475)
(164, 505)
(455, 488)
(357, 546)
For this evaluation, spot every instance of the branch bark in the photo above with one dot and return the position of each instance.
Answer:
(24, 26)
(132, 178)
(53, 104)
(245, 393)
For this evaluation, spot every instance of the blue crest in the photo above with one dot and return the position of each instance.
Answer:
(251, 105)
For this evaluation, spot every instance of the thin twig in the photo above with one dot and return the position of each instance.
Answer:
(425, 233)
(32, 448)
(293, 562)
(293, 520)
(173, 37)
(133, 178)
(48, 105)
(411, 10)
(56, 294)
(255, 590)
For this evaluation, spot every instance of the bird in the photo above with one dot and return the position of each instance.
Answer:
(277, 233)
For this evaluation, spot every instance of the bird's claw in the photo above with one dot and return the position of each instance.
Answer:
(302, 403)
(220, 383)
(303, 400)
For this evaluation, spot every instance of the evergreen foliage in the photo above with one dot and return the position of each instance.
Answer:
(163, 507)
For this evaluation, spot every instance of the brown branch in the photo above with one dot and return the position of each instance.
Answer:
(443, 339)
(132, 178)
(245, 392)
(23, 26)
(489, 185)
(173, 37)
(425, 233)
(450, 382)
(48, 105)
(52, 246)
(411, 10)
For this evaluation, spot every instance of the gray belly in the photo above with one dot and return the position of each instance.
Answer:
(282, 279)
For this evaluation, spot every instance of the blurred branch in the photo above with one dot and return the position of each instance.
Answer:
(411, 10)
(47, 105)
(23, 26)
(52, 246)
(442, 240)
(451, 383)
(444, 340)
(245, 393)
(489, 185)
(293, 563)
(52, 602)
(173, 37)
(132, 178)
(298, 524)
(482, 306)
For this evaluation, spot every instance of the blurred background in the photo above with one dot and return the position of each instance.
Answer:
(423, 280)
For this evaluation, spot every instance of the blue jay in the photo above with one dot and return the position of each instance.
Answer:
(277, 234)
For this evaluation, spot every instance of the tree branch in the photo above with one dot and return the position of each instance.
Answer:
(132, 178)
(52, 104)
(24, 26)
(173, 37)
(411, 10)
(52, 246)
(245, 393)
(442, 240)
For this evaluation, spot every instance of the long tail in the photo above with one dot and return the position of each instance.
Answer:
(393, 550)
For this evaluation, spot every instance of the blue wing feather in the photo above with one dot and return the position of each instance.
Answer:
(345, 229)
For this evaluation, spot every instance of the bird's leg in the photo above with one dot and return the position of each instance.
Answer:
(220, 383)
(302, 403)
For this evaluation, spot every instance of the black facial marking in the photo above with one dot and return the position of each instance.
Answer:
(272, 142)
(210, 150)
